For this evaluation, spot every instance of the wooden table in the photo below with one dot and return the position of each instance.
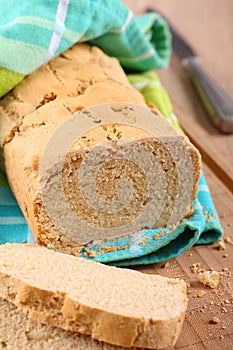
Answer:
(208, 26)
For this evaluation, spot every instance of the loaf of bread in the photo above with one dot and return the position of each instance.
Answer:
(118, 306)
(19, 332)
(87, 160)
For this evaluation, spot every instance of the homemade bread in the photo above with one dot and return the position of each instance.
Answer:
(88, 174)
(117, 306)
(19, 332)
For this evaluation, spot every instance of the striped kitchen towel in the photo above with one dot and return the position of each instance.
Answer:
(32, 32)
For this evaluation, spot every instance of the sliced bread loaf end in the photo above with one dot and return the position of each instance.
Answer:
(117, 306)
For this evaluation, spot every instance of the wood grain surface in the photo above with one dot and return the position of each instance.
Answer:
(209, 28)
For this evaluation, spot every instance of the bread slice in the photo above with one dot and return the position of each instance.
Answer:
(19, 332)
(93, 162)
(117, 306)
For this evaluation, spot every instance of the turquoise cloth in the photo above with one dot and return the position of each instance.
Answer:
(141, 44)
(33, 32)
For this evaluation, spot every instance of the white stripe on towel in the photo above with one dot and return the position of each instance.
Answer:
(14, 220)
(122, 29)
(138, 58)
(203, 188)
(143, 84)
(58, 28)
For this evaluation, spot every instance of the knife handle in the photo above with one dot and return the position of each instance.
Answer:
(218, 103)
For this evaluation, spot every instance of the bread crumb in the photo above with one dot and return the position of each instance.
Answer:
(167, 264)
(109, 250)
(225, 272)
(123, 247)
(221, 245)
(227, 240)
(225, 255)
(215, 291)
(201, 293)
(209, 278)
(189, 291)
(91, 253)
(214, 320)
(195, 268)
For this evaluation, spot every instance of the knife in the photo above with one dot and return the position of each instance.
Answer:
(218, 103)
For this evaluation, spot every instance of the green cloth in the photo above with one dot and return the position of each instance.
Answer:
(150, 86)
(8, 80)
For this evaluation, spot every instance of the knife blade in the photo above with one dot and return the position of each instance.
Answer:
(218, 104)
